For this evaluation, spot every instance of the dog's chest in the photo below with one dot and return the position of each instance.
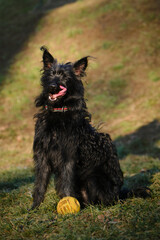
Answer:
(63, 139)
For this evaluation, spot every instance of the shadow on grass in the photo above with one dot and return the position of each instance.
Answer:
(18, 178)
(142, 179)
(145, 140)
(11, 180)
(18, 21)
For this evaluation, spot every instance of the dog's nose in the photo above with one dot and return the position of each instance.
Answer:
(52, 88)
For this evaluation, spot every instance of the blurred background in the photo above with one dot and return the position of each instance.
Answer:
(122, 84)
(123, 91)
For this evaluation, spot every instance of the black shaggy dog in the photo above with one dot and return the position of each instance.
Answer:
(83, 161)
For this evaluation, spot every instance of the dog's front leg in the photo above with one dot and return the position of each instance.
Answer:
(65, 180)
(42, 176)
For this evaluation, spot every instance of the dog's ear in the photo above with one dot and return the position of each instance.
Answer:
(48, 59)
(80, 66)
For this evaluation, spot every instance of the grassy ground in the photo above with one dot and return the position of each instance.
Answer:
(123, 92)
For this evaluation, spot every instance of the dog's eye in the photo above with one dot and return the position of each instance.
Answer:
(60, 72)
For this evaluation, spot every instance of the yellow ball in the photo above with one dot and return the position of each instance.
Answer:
(68, 205)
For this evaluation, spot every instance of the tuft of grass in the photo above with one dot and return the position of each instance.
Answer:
(154, 77)
(106, 95)
(117, 86)
(107, 45)
(118, 67)
(74, 32)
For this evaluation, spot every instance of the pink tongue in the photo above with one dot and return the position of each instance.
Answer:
(61, 93)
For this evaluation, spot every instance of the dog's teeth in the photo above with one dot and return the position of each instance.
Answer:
(52, 99)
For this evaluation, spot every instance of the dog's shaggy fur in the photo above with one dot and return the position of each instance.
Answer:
(83, 161)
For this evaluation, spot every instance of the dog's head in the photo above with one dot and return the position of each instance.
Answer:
(61, 83)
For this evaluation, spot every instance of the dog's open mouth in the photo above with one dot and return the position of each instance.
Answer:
(62, 92)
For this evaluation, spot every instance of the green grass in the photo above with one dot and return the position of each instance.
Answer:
(107, 45)
(73, 32)
(118, 67)
(116, 86)
(135, 218)
(123, 90)
(106, 95)
(153, 76)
